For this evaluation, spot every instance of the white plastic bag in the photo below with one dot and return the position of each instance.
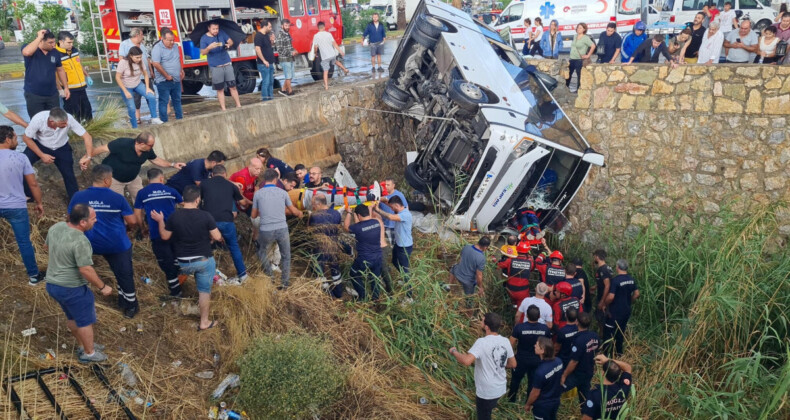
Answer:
(365, 42)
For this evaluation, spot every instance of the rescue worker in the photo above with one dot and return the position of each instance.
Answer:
(544, 399)
(577, 286)
(563, 302)
(565, 336)
(78, 79)
(603, 277)
(579, 372)
(518, 270)
(582, 276)
(551, 271)
(526, 334)
(632, 41)
(606, 400)
(622, 295)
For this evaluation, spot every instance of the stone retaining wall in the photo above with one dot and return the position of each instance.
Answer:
(678, 141)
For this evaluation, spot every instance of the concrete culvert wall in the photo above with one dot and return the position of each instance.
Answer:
(313, 129)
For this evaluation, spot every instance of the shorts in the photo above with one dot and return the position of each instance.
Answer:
(222, 77)
(376, 48)
(326, 64)
(288, 70)
(469, 288)
(77, 303)
(203, 270)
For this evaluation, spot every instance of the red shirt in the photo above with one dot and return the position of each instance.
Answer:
(248, 182)
(713, 13)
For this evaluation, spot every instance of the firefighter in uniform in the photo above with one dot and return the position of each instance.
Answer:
(518, 270)
(563, 302)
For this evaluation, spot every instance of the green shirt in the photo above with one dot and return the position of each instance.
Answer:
(69, 249)
(580, 46)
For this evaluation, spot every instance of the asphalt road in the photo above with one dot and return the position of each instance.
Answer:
(357, 60)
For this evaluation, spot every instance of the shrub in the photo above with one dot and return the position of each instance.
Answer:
(289, 376)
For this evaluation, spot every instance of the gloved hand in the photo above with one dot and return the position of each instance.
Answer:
(90, 81)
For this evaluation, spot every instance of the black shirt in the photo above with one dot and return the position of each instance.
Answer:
(603, 272)
(218, 196)
(623, 286)
(124, 161)
(527, 334)
(265, 44)
(610, 45)
(582, 276)
(695, 42)
(191, 229)
(324, 180)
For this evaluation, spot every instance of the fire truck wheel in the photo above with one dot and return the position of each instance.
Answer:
(246, 76)
(192, 87)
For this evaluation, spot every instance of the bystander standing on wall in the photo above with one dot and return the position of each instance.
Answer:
(632, 41)
(766, 47)
(158, 196)
(78, 79)
(611, 42)
(108, 237)
(551, 41)
(535, 37)
(690, 51)
(17, 171)
(651, 50)
(135, 40)
(127, 75)
(710, 49)
(168, 74)
(287, 53)
(582, 48)
(491, 355)
(376, 34)
(741, 45)
(324, 44)
(728, 19)
(192, 231)
(264, 50)
(678, 44)
(68, 275)
(215, 45)
(42, 66)
(126, 157)
(47, 140)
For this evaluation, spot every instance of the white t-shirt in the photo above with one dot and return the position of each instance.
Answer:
(56, 138)
(725, 19)
(545, 309)
(538, 33)
(325, 44)
(491, 353)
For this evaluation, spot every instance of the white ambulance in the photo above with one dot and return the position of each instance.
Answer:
(595, 13)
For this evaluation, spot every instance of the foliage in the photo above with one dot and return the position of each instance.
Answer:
(289, 376)
(104, 125)
(711, 326)
(6, 16)
(51, 16)
(87, 42)
(354, 23)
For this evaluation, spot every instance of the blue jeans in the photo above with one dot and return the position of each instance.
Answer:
(267, 81)
(130, 108)
(20, 224)
(228, 231)
(204, 273)
(169, 90)
(400, 260)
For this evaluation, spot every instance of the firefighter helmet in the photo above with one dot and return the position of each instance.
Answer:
(556, 255)
(564, 287)
(523, 247)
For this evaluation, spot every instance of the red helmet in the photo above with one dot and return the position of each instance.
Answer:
(556, 254)
(564, 287)
(523, 247)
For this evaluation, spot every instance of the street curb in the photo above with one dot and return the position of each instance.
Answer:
(354, 41)
(12, 75)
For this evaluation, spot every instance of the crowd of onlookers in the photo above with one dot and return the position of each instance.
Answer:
(715, 36)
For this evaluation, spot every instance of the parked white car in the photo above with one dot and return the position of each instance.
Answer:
(683, 11)
(492, 139)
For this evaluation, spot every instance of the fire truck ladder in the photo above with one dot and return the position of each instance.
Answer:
(101, 42)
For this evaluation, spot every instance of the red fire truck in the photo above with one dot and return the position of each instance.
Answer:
(118, 17)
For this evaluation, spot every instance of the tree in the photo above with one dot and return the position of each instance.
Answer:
(51, 16)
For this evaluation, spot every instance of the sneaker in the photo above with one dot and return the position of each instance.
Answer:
(156, 121)
(96, 347)
(96, 357)
(131, 312)
(381, 70)
(282, 92)
(352, 292)
(276, 268)
(373, 69)
(34, 281)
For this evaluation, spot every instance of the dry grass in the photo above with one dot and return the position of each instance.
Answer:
(378, 386)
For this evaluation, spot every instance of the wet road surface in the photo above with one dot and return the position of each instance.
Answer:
(357, 60)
